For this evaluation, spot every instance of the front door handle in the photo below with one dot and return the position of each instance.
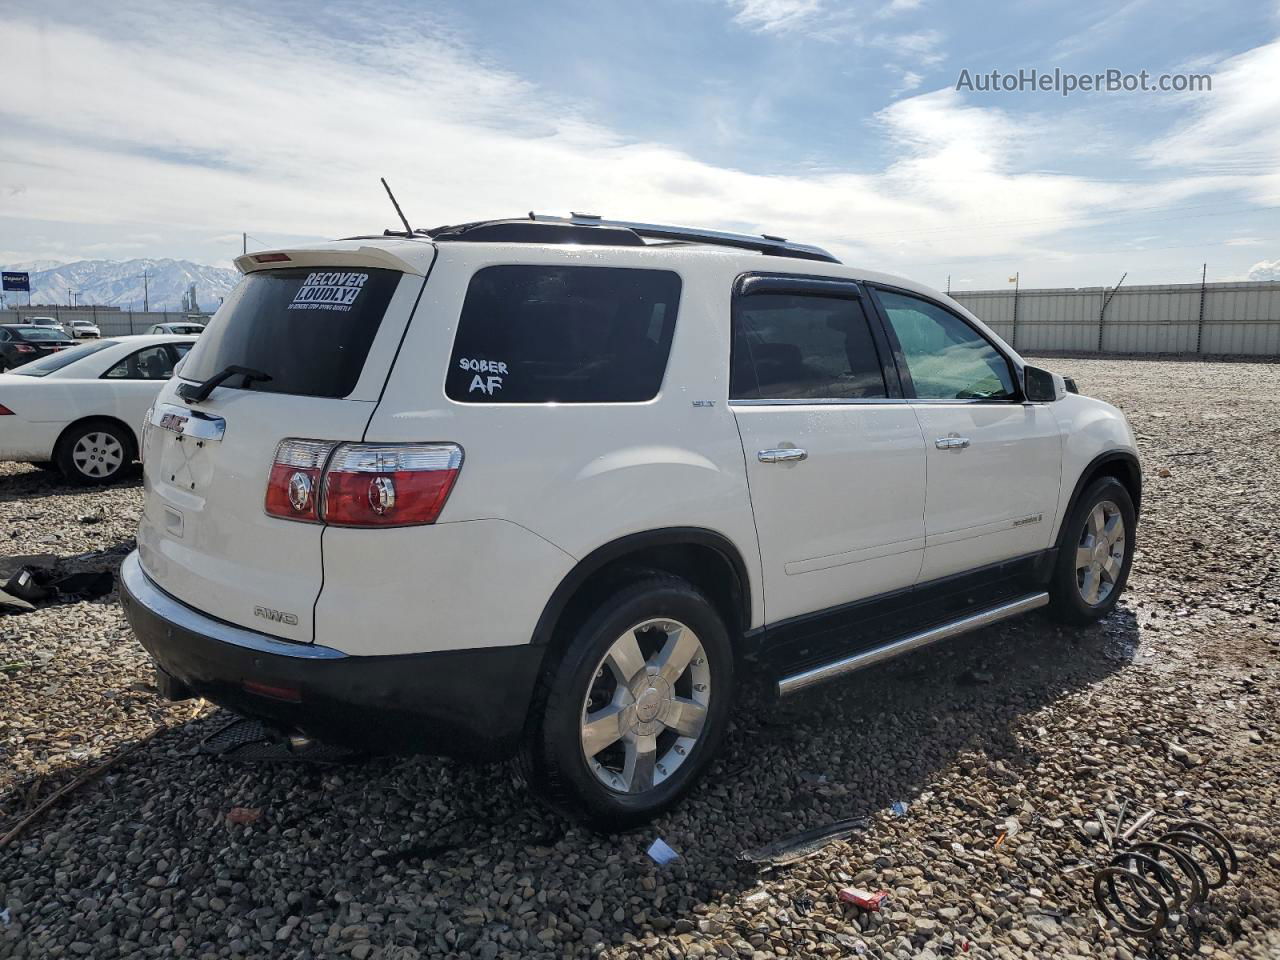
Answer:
(951, 443)
(782, 455)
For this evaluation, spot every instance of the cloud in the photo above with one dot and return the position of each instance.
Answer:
(895, 7)
(1244, 242)
(909, 81)
(921, 48)
(1265, 270)
(1234, 130)
(776, 16)
(307, 123)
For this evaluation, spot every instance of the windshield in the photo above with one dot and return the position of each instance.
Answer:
(184, 328)
(310, 330)
(41, 333)
(56, 361)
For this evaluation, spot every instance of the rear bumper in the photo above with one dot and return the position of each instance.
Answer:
(465, 703)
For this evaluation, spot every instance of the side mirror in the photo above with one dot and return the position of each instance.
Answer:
(1041, 386)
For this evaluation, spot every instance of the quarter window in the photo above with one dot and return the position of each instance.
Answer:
(796, 347)
(548, 334)
(946, 358)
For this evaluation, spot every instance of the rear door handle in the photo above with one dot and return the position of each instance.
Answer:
(951, 443)
(783, 455)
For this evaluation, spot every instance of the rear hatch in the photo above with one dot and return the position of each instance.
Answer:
(324, 327)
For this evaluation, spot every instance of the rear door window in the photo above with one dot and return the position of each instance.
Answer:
(150, 363)
(550, 334)
(309, 329)
(803, 347)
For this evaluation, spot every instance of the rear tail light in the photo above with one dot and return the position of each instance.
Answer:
(293, 489)
(362, 484)
(24, 348)
(5, 411)
(389, 484)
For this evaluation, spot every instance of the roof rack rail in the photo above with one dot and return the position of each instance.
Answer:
(588, 228)
(764, 243)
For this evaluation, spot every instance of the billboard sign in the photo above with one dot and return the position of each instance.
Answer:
(18, 282)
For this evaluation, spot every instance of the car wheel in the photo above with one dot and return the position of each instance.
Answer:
(95, 452)
(628, 717)
(1094, 553)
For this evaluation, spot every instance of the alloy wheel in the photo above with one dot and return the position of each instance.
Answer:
(1100, 553)
(646, 705)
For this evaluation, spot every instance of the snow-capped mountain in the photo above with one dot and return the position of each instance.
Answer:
(119, 283)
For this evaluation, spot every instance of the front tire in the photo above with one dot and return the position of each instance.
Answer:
(94, 452)
(635, 708)
(1095, 553)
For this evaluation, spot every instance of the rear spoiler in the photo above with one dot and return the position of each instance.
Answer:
(371, 257)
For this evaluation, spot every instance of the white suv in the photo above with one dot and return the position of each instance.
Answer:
(548, 487)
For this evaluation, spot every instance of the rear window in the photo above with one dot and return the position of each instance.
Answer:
(56, 361)
(548, 334)
(41, 333)
(309, 329)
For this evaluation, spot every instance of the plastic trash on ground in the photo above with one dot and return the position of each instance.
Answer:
(662, 854)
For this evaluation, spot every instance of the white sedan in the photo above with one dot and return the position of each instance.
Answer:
(82, 409)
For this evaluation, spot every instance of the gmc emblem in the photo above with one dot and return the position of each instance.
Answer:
(279, 616)
(174, 422)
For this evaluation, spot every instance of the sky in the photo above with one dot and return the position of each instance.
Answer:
(137, 129)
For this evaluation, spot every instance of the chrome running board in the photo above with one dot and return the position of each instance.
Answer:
(886, 651)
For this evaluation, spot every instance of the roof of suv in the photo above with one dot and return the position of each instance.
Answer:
(583, 230)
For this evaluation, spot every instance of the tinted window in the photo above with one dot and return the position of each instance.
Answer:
(40, 333)
(947, 358)
(309, 329)
(150, 363)
(56, 361)
(540, 334)
(793, 347)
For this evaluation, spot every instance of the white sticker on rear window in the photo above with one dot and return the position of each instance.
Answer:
(336, 291)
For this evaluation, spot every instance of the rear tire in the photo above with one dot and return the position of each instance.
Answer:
(1095, 552)
(94, 452)
(628, 717)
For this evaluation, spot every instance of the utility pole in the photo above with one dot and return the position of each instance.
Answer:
(146, 296)
(1204, 275)
(244, 243)
(1016, 280)
(948, 284)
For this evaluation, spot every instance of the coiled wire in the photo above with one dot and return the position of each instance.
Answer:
(1149, 881)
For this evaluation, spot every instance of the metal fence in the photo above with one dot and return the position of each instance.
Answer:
(1183, 318)
(112, 323)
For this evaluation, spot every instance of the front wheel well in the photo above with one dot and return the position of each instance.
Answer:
(1124, 469)
(1121, 466)
(75, 425)
(708, 562)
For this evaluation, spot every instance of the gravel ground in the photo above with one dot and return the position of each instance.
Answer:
(1171, 703)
